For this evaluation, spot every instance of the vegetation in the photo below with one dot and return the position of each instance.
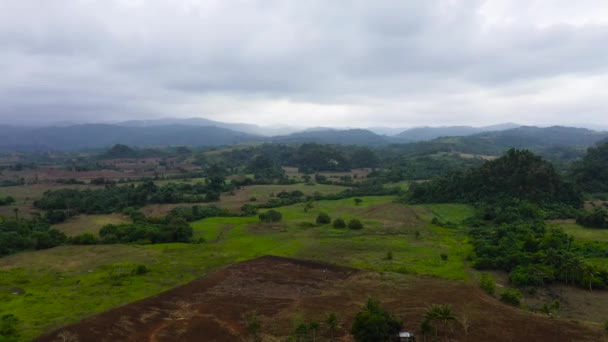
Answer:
(355, 224)
(590, 173)
(373, 323)
(27, 234)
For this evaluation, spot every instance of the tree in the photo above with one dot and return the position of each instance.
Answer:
(332, 325)
(323, 218)
(270, 216)
(358, 201)
(440, 314)
(374, 323)
(314, 328)
(339, 223)
(355, 224)
(253, 325)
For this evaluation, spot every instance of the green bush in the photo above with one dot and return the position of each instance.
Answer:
(323, 218)
(140, 269)
(355, 224)
(339, 223)
(271, 216)
(8, 328)
(511, 296)
(487, 283)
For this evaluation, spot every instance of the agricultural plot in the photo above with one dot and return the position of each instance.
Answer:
(50, 288)
(283, 293)
(82, 224)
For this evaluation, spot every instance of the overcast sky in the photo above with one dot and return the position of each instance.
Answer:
(306, 63)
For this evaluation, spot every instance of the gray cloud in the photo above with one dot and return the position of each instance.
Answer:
(349, 63)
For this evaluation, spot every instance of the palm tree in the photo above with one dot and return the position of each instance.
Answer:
(332, 324)
(440, 313)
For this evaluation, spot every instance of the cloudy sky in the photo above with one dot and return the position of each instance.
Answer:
(306, 63)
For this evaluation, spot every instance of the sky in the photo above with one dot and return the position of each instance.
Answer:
(306, 63)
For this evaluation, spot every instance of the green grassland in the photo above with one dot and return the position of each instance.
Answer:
(49, 288)
(579, 232)
(82, 224)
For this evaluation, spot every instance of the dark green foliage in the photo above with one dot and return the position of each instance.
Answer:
(591, 173)
(438, 317)
(444, 257)
(358, 201)
(374, 323)
(339, 223)
(355, 224)
(178, 230)
(323, 218)
(511, 296)
(22, 234)
(56, 216)
(84, 239)
(487, 283)
(598, 218)
(518, 174)
(9, 328)
(252, 322)
(265, 169)
(140, 269)
(116, 199)
(249, 210)
(312, 157)
(8, 200)
(271, 216)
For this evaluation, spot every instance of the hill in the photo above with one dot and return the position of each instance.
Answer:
(430, 133)
(331, 136)
(98, 135)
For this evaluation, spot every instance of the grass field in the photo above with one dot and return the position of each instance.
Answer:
(89, 223)
(49, 288)
(579, 232)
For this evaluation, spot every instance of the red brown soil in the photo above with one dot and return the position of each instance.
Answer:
(283, 292)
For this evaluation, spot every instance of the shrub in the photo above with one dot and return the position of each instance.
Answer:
(511, 296)
(339, 223)
(444, 256)
(249, 210)
(358, 201)
(84, 239)
(8, 328)
(487, 283)
(389, 255)
(140, 269)
(323, 218)
(355, 224)
(271, 216)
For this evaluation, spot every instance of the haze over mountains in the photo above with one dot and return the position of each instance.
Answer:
(204, 132)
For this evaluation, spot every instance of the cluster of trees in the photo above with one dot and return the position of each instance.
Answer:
(324, 218)
(533, 254)
(178, 230)
(8, 200)
(519, 175)
(590, 173)
(18, 234)
(116, 198)
(597, 218)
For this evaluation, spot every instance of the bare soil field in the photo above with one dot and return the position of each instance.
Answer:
(284, 292)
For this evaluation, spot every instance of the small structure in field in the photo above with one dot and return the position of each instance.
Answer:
(405, 336)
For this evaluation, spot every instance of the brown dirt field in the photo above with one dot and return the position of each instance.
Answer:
(284, 292)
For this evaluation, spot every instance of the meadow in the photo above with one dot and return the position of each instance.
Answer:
(50, 288)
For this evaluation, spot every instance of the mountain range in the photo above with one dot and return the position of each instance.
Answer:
(203, 132)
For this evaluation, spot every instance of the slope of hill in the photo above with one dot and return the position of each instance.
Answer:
(92, 136)
(197, 122)
(429, 133)
(345, 137)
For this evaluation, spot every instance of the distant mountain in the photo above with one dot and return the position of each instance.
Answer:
(333, 136)
(239, 127)
(555, 143)
(430, 133)
(98, 135)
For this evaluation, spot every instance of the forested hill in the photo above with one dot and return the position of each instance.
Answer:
(93, 136)
(330, 136)
(565, 143)
(518, 175)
